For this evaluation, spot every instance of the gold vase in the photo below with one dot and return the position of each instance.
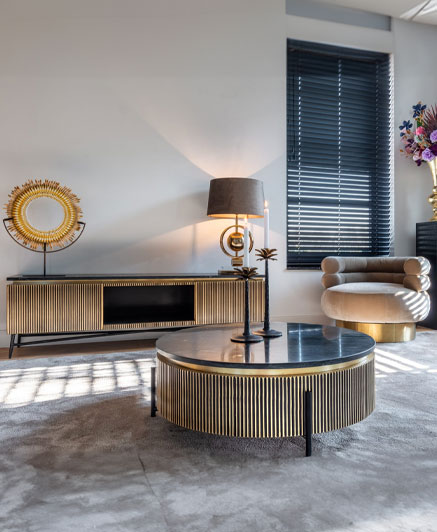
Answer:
(433, 197)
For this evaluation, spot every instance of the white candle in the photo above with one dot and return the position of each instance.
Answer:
(266, 225)
(246, 260)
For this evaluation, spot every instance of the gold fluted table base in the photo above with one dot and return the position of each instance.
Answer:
(267, 405)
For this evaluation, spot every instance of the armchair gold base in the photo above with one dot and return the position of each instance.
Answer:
(383, 332)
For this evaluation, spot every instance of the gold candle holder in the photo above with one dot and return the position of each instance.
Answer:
(247, 336)
(267, 254)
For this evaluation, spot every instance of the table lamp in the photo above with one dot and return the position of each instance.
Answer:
(239, 197)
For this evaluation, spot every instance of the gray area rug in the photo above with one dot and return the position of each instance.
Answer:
(80, 453)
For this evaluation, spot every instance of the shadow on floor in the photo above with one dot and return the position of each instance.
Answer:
(94, 437)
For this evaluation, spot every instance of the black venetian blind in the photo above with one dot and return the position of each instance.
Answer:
(339, 153)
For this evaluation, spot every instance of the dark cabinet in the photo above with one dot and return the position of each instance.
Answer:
(426, 246)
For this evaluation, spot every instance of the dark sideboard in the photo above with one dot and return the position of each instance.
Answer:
(426, 246)
(99, 305)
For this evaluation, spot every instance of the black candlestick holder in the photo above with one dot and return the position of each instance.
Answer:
(267, 254)
(247, 336)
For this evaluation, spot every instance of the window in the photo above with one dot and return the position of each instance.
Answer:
(339, 132)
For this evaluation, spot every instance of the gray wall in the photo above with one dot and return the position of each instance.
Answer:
(415, 79)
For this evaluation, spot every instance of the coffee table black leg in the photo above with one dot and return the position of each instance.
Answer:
(153, 408)
(308, 421)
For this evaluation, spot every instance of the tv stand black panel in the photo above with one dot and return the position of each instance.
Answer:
(148, 304)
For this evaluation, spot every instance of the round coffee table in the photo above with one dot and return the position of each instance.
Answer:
(312, 379)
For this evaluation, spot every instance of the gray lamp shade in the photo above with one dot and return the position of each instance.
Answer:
(229, 196)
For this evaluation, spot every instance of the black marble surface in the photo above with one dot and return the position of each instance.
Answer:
(103, 276)
(301, 345)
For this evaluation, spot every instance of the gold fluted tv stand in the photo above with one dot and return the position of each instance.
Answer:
(99, 305)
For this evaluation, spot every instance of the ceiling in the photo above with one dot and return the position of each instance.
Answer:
(413, 10)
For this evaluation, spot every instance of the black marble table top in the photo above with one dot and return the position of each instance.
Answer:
(103, 276)
(301, 345)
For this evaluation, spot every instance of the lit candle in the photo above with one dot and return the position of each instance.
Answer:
(266, 225)
(246, 260)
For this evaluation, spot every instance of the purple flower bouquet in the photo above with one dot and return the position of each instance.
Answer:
(420, 142)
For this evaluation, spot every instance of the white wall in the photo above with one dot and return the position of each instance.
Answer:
(415, 79)
(136, 104)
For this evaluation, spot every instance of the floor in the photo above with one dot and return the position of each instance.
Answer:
(76, 348)
(90, 348)
(80, 453)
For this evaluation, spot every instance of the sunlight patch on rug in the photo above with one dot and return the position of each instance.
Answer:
(23, 386)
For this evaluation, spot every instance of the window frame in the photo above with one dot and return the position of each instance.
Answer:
(297, 261)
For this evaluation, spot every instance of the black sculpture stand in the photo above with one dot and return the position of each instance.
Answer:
(266, 254)
(44, 250)
(247, 336)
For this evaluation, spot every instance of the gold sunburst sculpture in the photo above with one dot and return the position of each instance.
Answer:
(28, 235)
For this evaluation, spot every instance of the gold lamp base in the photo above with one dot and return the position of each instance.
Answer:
(382, 332)
(232, 245)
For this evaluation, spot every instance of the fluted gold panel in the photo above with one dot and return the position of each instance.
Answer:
(37, 307)
(264, 407)
(222, 301)
(47, 308)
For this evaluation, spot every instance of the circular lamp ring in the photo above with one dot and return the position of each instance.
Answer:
(232, 245)
(28, 235)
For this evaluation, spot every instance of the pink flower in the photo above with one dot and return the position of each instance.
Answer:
(420, 131)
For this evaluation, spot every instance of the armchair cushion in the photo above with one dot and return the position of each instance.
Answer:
(375, 303)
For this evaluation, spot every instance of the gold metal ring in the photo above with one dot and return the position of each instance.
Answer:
(264, 372)
(24, 231)
(222, 236)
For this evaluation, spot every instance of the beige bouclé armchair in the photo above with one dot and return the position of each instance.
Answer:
(381, 296)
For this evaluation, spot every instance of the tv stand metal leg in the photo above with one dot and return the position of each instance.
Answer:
(153, 408)
(11, 345)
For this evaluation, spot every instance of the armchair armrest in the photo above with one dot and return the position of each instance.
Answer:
(419, 283)
(404, 265)
(417, 266)
(335, 265)
(333, 279)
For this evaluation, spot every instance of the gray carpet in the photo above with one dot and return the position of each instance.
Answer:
(79, 453)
